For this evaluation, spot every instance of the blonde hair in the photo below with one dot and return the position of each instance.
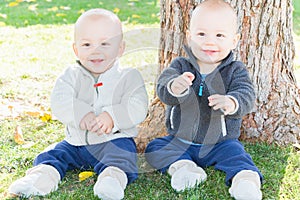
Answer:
(98, 13)
(216, 5)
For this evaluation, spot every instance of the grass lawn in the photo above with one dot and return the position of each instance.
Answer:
(36, 48)
(21, 13)
(296, 18)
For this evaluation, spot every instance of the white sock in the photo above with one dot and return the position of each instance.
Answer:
(186, 174)
(109, 188)
(39, 180)
(246, 186)
(111, 184)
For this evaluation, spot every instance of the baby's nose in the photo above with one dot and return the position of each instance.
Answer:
(98, 48)
(210, 40)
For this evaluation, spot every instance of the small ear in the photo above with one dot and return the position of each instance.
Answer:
(236, 39)
(188, 37)
(121, 48)
(75, 49)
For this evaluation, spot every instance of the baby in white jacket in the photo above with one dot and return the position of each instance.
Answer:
(100, 104)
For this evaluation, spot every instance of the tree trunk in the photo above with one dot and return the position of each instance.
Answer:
(266, 48)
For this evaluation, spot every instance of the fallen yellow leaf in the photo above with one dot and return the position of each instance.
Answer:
(33, 7)
(33, 113)
(85, 175)
(81, 11)
(42, 108)
(60, 15)
(18, 135)
(116, 10)
(46, 117)
(13, 4)
(53, 9)
(10, 108)
(135, 16)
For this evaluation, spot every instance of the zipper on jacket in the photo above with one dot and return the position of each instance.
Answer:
(86, 137)
(96, 88)
(96, 85)
(201, 88)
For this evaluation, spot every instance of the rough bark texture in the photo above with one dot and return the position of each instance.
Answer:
(267, 49)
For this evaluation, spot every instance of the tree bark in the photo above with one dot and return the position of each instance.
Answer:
(267, 49)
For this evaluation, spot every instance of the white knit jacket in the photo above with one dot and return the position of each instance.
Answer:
(122, 95)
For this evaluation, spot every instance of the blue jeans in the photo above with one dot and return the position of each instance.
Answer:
(119, 153)
(228, 156)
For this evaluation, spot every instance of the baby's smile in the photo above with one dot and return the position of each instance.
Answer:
(97, 61)
(210, 52)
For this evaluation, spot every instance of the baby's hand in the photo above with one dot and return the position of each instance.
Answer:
(182, 82)
(223, 102)
(85, 121)
(103, 123)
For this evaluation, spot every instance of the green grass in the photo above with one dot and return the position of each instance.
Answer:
(37, 49)
(279, 165)
(296, 16)
(31, 12)
(296, 27)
